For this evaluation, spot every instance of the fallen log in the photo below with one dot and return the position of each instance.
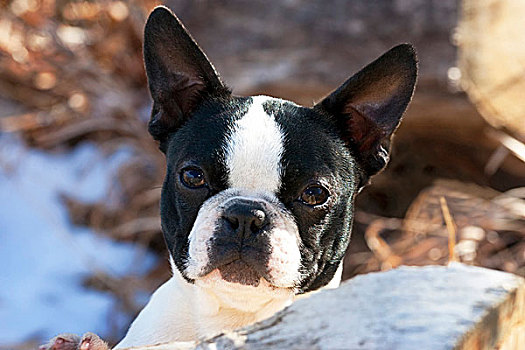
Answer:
(431, 307)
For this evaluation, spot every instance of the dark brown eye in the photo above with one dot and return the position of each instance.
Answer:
(314, 195)
(192, 178)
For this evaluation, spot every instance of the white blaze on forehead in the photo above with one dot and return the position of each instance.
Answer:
(253, 151)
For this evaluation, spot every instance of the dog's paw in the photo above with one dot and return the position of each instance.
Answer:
(66, 341)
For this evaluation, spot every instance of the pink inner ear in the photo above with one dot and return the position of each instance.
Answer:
(364, 132)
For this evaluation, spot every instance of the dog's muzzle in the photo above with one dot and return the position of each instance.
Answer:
(245, 237)
(240, 247)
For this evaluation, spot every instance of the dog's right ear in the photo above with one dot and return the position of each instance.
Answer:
(179, 73)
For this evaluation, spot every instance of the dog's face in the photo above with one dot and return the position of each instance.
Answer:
(253, 193)
(259, 191)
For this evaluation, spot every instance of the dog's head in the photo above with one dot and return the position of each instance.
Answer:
(259, 191)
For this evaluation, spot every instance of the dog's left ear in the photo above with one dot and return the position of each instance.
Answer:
(368, 107)
(179, 74)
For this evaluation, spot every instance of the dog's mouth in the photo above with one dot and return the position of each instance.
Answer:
(237, 285)
(240, 272)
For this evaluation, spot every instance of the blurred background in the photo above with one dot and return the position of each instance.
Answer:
(80, 242)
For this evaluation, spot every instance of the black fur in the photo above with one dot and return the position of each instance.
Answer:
(180, 75)
(233, 241)
(339, 143)
(198, 142)
(369, 105)
(314, 152)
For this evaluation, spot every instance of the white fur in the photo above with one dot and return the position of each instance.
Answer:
(253, 151)
(180, 311)
(253, 159)
(201, 234)
(285, 259)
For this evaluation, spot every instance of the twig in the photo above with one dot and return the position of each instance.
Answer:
(378, 246)
(136, 227)
(451, 228)
(83, 127)
(496, 159)
(515, 146)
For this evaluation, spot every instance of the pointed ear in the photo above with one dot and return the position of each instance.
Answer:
(368, 107)
(179, 73)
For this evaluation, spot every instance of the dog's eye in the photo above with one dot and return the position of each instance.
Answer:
(192, 178)
(314, 195)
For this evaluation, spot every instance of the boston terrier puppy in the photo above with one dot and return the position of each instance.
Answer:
(258, 199)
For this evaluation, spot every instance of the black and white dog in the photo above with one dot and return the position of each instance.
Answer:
(258, 199)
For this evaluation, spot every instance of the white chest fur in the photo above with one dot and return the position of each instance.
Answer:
(180, 311)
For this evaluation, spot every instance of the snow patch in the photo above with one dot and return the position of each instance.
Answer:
(44, 258)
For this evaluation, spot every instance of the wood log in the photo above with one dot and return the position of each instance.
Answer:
(432, 307)
(491, 54)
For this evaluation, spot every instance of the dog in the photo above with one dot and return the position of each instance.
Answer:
(258, 199)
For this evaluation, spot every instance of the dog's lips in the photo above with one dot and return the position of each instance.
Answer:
(240, 272)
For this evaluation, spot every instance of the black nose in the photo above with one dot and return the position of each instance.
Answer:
(245, 217)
